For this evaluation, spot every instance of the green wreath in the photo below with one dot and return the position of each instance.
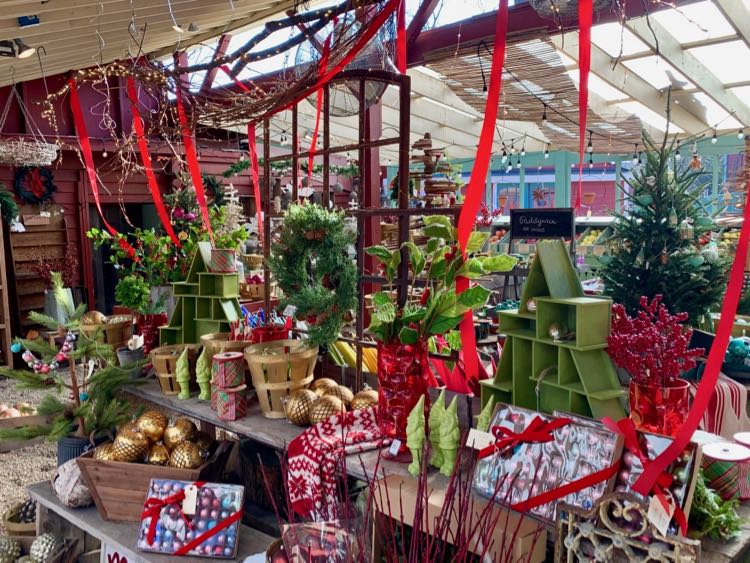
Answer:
(34, 184)
(311, 265)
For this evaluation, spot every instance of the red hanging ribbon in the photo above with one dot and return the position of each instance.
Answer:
(193, 165)
(538, 431)
(707, 386)
(585, 21)
(323, 65)
(228, 72)
(88, 159)
(253, 149)
(161, 210)
(401, 37)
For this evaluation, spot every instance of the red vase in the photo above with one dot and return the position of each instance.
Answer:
(148, 326)
(268, 333)
(401, 382)
(658, 409)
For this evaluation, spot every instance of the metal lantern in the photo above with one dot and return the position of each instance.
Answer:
(687, 232)
(564, 8)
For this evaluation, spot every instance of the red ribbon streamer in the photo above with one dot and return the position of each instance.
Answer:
(626, 427)
(710, 375)
(318, 108)
(161, 210)
(585, 21)
(537, 432)
(88, 159)
(228, 72)
(193, 165)
(401, 37)
(252, 148)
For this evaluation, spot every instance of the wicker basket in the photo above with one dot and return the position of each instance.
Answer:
(278, 368)
(254, 291)
(252, 261)
(15, 528)
(116, 331)
(165, 359)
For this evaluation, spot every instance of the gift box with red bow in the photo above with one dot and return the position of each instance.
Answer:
(195, 519)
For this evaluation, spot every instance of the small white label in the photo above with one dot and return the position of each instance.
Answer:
(191, 500)
(659, 516)
(479, 440)
(290, 310)
(92, 365)
(395, 447)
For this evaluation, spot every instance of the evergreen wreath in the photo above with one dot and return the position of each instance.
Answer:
(33, 184)
(311, 265)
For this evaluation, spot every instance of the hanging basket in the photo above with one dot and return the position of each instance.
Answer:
(23, 152)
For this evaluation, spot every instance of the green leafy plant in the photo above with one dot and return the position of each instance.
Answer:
(8, 205)
(134, 293)
(78, 405)
(439, 310)
(712, 516)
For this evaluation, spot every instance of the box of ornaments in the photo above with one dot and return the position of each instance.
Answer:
(47, 548)
(119, 473)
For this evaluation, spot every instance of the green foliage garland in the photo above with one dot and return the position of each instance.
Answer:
(311, 265)
(8, 206)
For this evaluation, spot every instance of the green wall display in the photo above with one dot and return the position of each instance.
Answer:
(207, 302)
(554, 356)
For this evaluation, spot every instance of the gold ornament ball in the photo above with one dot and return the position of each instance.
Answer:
(158, 454)
(326, 406)
(186, 456)
(152, 424)
(183, 430)
(344, 393)
(130, 446)
(203, 441)
(298, 406)
(129, 426)
(322, 385)
(104, 452)
(364, 400)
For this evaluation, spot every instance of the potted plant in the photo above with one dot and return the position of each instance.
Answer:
(652, 347)
(134, 293)
(229, 235)
(406, 334)
(67, 266)
(82, 403)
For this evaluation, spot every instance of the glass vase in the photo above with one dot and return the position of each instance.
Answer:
(401, 382)
(659, 409)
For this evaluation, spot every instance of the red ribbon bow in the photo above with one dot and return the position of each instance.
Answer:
(664, 480)
(537, 432)
(153, 508)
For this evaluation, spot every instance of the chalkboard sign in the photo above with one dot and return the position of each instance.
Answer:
(542, 223)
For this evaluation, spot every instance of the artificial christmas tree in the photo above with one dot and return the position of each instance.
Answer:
(656, 246)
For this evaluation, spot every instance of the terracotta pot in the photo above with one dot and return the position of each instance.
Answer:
(658, 409)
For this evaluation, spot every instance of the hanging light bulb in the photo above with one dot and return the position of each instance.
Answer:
(509, 167)
(741, 134)
(546, 152)
(523, 150)
(105, 154)
(518, 163)
(512, 148)
(544, 115)
(677, 154)
(176, 26)
(714, 139)
(505, 156)
(590, 147)
(635, 154)
(591, 163)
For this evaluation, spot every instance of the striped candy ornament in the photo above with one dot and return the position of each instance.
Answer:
(228, 369)
(231, 404)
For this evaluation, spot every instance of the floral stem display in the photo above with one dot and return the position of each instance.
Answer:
(312, 266)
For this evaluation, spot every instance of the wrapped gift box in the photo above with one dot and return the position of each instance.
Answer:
(186, 518)
(231, 404)
(228, 369)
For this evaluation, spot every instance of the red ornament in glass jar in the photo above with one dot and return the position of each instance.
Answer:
(659, 409)
(401, 382)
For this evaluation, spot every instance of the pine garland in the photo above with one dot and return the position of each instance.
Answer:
(311, 265)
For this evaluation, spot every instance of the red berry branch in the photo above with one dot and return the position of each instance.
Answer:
(652, 346)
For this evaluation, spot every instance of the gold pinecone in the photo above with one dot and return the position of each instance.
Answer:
(158, 454)
(183, 430)
(343, 393)
(129, 446)
(364, 399)
(186, 456)
(325, 407)
(104, 452)
(298, 406)
(152, 424)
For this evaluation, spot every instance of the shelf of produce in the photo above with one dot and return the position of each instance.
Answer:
(123, 535)
(276, 433)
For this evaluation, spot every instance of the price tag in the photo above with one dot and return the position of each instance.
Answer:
(479, 440)
(190, 501)
(660, 516)
(395, 447)
(290, 310)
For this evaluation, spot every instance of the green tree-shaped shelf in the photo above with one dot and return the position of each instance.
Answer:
(573, 374)
(207, 302)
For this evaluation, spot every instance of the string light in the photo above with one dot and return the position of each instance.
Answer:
(544, 116)
(591, 162)
(741, 134)
(635, 154)
(177, 27)
(590, 147)
(677, 154)
(523, 150)
(714, 139)
(504, 157)
(518, 163)
(546, 151)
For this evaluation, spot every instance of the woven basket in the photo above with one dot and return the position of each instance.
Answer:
(254, 291)
(252, 261)
(15, 528)
(116, 331)
(165, 359)
(278, 368)
(217, 342)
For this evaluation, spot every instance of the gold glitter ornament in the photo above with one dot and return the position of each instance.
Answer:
(186, 456)
(364, 400)
(104, 452)
(130, 447)
(343, 393)
(325, 407)
(152, 424)
(298, 406)
(158, 454)
(322, 385)
(129, 426)
(183, 430)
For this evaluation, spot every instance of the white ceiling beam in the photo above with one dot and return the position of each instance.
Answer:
(689, 65)
(738, 15)
(629, 83)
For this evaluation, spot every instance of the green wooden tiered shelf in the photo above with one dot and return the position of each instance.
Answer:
(538, 372)
(207, 302)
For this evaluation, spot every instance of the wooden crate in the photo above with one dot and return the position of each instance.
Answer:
(19, 422)
(119, 489)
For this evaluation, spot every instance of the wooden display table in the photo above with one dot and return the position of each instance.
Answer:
(87, 526)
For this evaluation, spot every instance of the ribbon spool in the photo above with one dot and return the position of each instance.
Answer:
(228, 369)
(724, 471)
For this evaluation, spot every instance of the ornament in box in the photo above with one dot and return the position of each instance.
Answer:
(152, 424)
(228, 369)
(527, 469)
(299, 405)
(183, 430)
(231, 404)
(186, 455)
(173, 525)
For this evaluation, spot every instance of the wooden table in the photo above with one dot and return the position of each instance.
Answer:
(87, 526)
